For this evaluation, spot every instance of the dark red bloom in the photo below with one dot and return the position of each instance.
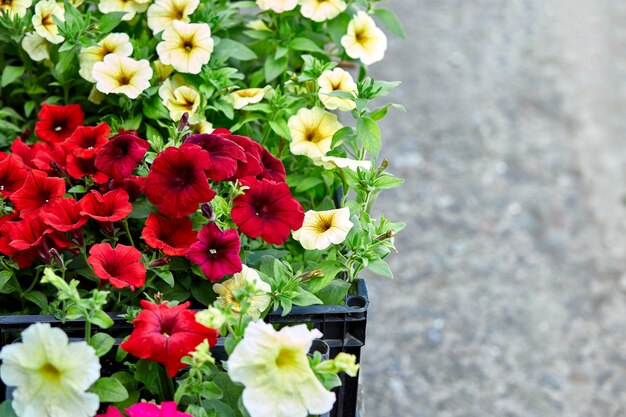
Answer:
(267, 210)
(49, 158)
(110, 207)
(254, 153)
(172, 236)
(80, 168)
(38, 191)
(225, 154)
(33, 236)
(216, 252)
(132, 185)
(273, 168)
(23, 151)
(57, 123)
(119, 157)
(12, 175)
(167, 334)
(166, 409)
(177, 183)
(121, 266)
(86, 141)
(63, 215)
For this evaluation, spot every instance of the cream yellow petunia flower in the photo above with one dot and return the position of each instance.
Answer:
(36, 46)
(203, 126)
(114, 43)
(277, 6)
(332, 162)
(44, 23)
(241, 98)
(186, 46)
(312, 132)
(337, 80)
(364, 40)
(321, 10)
(180, 100)
(15, 7)
(162, 71)
(258, 303)
(321, 229)
(122, 75)
(162, 13)
(131, 7)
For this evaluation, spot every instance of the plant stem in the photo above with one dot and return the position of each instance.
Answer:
(130, 238)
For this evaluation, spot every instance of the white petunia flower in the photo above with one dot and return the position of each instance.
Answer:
(364, 40)
(114, 43)
(312, 132)
(321, 229)
(241, 98)
(321, 10)
(44, 23)
(162, 13)
(337, 80)
(274, 369)
(203, 126)
(186, 46)
(15, 7)
(122, 75)
(36, 46)
(131, 7)
(331, 162)
(278, 6)
(258, 303)
(50, 374)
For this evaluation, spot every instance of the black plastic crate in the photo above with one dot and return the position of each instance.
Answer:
(343, 327)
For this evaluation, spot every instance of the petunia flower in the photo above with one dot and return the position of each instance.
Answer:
(321, 10)
(252, 166)
(118, 74)
(364, 40)
(241, 98)
(86, 141)
(321, 229)
(36, 46)
(130, 7)
(267, 210)
(258, 302)
(166, 334)
(163, 13)
(31, 235)
(15, 7)
(110, 207)
(225, 154)
(49, 157)
(57, 123)
(121, 266)
(143, 409)
(80, 168)
(43, 22)
(51, 375)
(312, 132)
(172, 236)
(38, 191)
(119, 157)
(177, 184)
(337, 80)
(64, 214)
(186, 46)
(274, 369)
(273, 168)
(113, 43)
(216, 251)
(184, 99)
(12, 175)
(331, 162)
(277, 6)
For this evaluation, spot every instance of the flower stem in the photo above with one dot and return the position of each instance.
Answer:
(130, 238)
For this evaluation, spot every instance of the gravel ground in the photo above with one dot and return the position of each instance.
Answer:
(509, 297)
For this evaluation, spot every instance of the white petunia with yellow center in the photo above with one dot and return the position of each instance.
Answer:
(242, 98)
(203, 126)
(130, 7)
(364, 40)
(312, 132)
(337, 80)
(50, 374)
(162, 13)
(15, 7)
(277, 6)
(43, 21)
(178, 98)
(186, 46)
(122, 75)
(258, 302)
(274, 369)
(332, 162)
(36, 46)
(114, 43)
(321, 229)
(321, 10)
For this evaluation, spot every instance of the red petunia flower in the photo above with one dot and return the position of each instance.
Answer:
(172, 236)
(38, 191)
(254, 153)
(57, 123)
(120, 266)
(80, 168)
(267, 210)
(119, 157)
(177, 183)
(49, 158)
(33, 235)
(225, 154)
(64, 214)
(273, 168)
(12, 175)
(110, 207)
(167, 334)
(24, 259)
(166, 409)
(86, 141)
(216, 252)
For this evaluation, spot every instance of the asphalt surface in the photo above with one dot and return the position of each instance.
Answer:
(510, 295)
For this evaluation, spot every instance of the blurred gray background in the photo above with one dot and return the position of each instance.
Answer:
(510, 294)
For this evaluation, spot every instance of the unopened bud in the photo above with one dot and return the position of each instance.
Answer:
(184, 122)
(383, 166)
(160, 262)
(158, 298)
(387, 235)
(56, 256)
(316, 273)
(212, 317)
(58, 170)
(207, 211)
(25, 135)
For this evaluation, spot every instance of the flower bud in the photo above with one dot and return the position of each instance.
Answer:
(212, 317)
(207, 211)
(160, 262)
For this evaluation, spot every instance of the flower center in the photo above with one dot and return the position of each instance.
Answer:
(311, 136)
(58, 128)
(360, 36)
(7, 3)
(212, 251)
(1, 187)
(324, 224)
(286, 358)
(188, 45)
(50, 373)
(123, 79)
(46, 20)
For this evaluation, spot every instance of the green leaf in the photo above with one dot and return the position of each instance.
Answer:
(77, 189)
(308, 183)
(29, 106)
(141, 209)
(102, 319)
(387, 181)
(380, 267)
(390, 21)
(109, 390)
(102, 343)
(10, 74)
(338, 27)
(368, 133)
(304, 44)
(331, 269)
(274, 67)
(5, 277)
(109, 21)
(6, 409)
(335, 292)
(228, 48)
(280, 127)
(38, 298)
(166, 276)
(231, 390)
(305, 298)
